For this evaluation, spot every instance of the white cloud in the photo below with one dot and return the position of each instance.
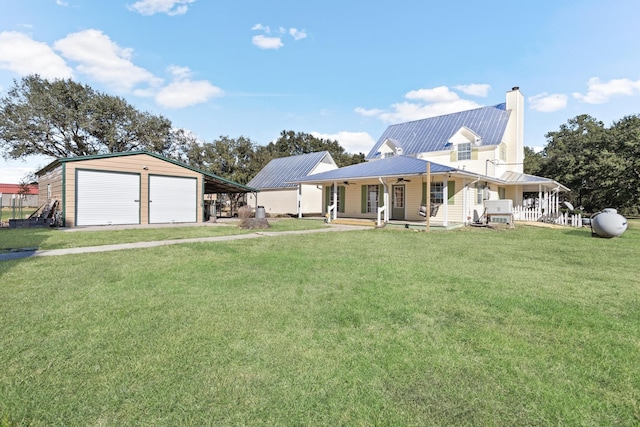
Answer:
(429, 103)
(62, 3)
(260, 27)
(103, 60)
(13, 175)
(352, 142)
(170, 7)
(13, 171)
(23, 55)
(600, 92)
(481, 90)
(264, 42)
(546, 103)
(297, 34)
(184, 92)
(436, 94)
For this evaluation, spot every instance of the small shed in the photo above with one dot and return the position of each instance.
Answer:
(136, 187)
(279, 195)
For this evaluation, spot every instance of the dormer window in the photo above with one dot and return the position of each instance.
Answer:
(390, 148)
(464, 151)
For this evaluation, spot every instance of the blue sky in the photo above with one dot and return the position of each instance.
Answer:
(343, 70)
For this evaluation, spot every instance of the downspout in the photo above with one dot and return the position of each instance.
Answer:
(466, 196)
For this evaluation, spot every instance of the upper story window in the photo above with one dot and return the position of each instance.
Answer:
(464, 151)
(503, 152)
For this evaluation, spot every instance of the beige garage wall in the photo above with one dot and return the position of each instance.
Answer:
(141, 164)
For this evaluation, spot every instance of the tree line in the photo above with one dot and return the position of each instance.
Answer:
(601, 165)
(63, 118)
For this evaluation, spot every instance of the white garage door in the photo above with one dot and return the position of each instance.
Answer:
(104, 198)
(172, 199)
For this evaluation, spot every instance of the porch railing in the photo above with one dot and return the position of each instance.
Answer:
(331, 212)
(381, 210)
(534, 214)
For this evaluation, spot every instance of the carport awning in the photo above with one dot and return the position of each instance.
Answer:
(215, 184)
(531, 183)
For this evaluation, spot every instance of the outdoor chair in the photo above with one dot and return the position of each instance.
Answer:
(434, 210)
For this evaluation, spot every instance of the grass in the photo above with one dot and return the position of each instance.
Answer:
(47, 238)
(9, 213)
(379, 327)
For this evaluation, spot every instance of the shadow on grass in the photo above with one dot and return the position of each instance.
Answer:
(18, 243)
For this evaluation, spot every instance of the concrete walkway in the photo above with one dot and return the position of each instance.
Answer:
(27, 253)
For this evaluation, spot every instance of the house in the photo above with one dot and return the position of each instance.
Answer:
(453, 163)
(136, 187)
(17, 194)
(279, 196)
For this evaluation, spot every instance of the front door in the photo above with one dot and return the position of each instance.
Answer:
(397, 194)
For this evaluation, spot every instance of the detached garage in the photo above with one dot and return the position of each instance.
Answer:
(129, 188)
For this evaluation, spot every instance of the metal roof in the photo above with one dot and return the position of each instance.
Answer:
(433, 134)
(532, 180)
(31, 189)
(212, 183)
(279, 173)
(389, 167)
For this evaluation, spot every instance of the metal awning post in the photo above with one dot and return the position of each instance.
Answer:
(428, 201)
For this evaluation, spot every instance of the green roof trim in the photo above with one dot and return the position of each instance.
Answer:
(63, 160)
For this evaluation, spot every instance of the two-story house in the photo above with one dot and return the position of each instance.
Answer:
(459, 161)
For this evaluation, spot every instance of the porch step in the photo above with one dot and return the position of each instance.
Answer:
(354, 221)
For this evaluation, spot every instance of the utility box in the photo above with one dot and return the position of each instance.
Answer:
(499, 207)
(499, 211)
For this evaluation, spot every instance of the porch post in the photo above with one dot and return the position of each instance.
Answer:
(540, 206)
(445, 201)
(428, 201)
(465, 214)
(386, 203)
(299, 200)
(335, 200)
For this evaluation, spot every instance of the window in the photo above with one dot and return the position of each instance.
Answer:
(398, 196)
(372, 198)
(437, 192)
(503, 152)
(502, 193)
(479, 194)
(464, 151)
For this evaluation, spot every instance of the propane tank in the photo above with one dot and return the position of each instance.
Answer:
(608, 223)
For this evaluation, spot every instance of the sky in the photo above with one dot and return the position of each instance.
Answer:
(342, 70)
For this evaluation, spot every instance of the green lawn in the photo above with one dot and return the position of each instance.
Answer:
(48, 238)
(8, 213)
(475, 327)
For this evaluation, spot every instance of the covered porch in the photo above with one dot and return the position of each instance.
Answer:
(402, 190)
